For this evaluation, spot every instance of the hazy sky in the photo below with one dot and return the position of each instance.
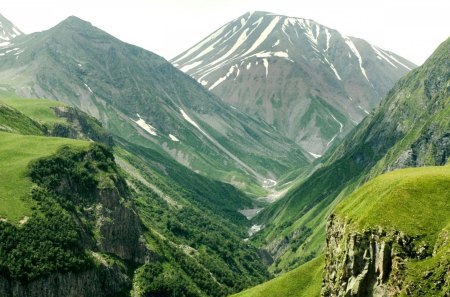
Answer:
(410, 28)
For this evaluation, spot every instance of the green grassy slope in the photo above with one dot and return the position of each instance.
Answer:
(304, 281)
(16, 152)
(37, 109)
(11, 120)
(415, 201)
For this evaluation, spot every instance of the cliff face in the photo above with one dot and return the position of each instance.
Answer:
(86, 186)
(375, 262)
(103, 281)
(360, 264)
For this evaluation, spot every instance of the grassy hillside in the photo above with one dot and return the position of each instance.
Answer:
(304, 281)
(39, 110)
(415, 201)
(16, 152)
(411, 203)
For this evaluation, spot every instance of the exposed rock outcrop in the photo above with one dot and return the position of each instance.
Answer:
(368, 263)
(99, 282)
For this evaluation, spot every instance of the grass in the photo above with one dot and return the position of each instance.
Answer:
(415, 201)
(37, 109)
(16, 151)
(305, 280)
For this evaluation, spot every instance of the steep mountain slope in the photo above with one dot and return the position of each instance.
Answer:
(411, 128)
(72, 223)
(141, 97)
(312, 83)
(390, 237)
(7, 33)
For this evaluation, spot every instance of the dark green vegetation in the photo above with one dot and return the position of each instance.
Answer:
(50, 240)
(16, 151)
(410, 129)
(185, 241)
(193, 226)
(304, 281)
(119, 84)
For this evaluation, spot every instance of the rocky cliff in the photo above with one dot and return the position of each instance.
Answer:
(87, 188)
(396, 242)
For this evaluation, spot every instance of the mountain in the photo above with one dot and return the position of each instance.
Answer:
(312, 83)
(7, 32)
(409, 129)
(143, 99)
(78, 220)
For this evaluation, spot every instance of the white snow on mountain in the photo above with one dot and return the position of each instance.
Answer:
(173, 138)
(355, 51)
(147, 127)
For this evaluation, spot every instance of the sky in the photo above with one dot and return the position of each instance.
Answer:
(411, 28)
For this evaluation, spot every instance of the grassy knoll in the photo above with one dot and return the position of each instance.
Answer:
(16, 151)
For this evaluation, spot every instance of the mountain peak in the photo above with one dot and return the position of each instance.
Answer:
(244, 61)
(7, 31)
(75, 21)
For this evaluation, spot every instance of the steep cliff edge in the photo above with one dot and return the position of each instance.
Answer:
(83, 234)
(390, 237)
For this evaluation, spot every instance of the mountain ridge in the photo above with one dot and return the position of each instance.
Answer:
(309, 81)
(81, 65)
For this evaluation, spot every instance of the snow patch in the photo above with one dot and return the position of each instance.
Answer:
(269, 183)
(266, 65)
(395, 60)
(328, 34)
(264, 34)
(271, 54)
(249, 65)
(223, 78)
(188, 67)
(173, 138)
(359, 106)
(315, 155)
(17, 32)
(355, 51)
(149, 128)
(190, 121)
(276, 43)
(334, 69)
(88, 88)
(332, 139)
(309, 32)
(380, 56)
(340, 124)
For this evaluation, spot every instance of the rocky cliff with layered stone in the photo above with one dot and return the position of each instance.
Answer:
(391, 237)
(86, 186)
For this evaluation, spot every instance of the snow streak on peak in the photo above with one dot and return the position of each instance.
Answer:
(7, 32)
(355, 51)
(147, 127)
